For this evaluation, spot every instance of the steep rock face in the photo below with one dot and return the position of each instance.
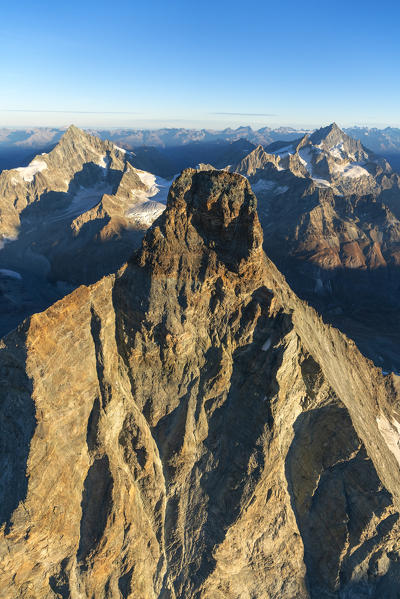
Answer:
(190, 428)
(341, 254)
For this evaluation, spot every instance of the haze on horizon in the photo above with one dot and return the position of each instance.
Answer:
(184, 65)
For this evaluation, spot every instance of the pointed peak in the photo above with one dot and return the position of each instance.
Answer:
(73, 135)
(331, 134)
(334, 127)
(73, 131)
(255, 151)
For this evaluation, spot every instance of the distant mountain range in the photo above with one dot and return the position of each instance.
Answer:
(329, 207)
(172, 149)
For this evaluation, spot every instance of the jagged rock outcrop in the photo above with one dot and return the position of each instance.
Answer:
(188, 428)
(255, 161)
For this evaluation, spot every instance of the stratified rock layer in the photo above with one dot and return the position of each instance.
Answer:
(189, 428)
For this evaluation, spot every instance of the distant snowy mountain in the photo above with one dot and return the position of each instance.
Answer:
(69, 217)
(331, 158)
(330, 210)
(167, 151)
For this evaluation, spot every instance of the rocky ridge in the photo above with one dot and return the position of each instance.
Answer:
(153, 147)
(79, 162)
(189, 428)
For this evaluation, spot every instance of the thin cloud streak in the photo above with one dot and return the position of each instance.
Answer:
(244, 113)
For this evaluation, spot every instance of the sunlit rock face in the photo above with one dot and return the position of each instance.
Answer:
(188, 428)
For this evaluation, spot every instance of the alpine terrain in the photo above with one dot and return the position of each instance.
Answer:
(330, 210)
(69, 217)
(188, 427)
(180, 419)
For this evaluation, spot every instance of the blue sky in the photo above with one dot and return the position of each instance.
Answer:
(214, 64)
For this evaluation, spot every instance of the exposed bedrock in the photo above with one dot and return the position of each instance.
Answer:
(188, 428)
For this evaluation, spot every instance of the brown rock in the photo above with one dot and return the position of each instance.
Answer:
(189, 428)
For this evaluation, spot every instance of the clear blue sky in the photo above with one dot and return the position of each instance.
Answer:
(204, 63)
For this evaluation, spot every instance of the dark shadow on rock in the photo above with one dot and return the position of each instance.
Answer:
(17, 425)
(95, 329)
(124, 584)
(59, 582)
(92, 427)
(131, 300)
(96, 506)
(237, 431)
(238, 421)
(336, 494)
(364, 304)
(361, 297)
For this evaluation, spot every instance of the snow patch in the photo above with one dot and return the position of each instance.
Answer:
(285, 151)
(391, 435)
(263, 185)
(29, 172)
(338, 151)
(149, 203)
(104, 162)
(144, 214)
(5, 240)
(281, 189)
(321, 182)
(352, 170)
(120, 149)
(266, 185)
(83, 200)
(305, 158)
(157, 187)
(319, 286)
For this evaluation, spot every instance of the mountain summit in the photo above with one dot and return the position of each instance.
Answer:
(212, 434)
(333, 159)
(330, 135)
